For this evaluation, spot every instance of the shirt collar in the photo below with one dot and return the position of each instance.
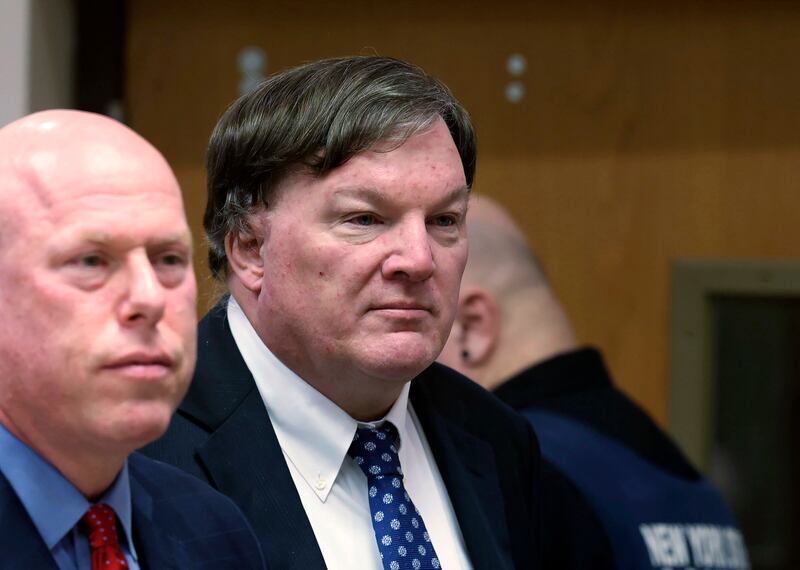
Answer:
(118, 497)
(54, 504)
(397, 415)
(317, 448)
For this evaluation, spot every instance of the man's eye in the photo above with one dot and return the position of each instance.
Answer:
(363, 220)
(91, 260)
(445, 220)
(171, 267)
(173, 259)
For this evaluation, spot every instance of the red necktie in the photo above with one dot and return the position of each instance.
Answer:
(102, 524)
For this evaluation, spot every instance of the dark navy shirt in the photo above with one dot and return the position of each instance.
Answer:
(618, 493)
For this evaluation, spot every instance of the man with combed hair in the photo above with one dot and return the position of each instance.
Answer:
(617, 493)
(338, 192)
(97, 348)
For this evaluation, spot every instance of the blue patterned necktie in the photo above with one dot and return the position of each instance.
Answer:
(403, 542)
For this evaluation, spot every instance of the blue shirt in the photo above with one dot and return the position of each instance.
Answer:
(56, 506)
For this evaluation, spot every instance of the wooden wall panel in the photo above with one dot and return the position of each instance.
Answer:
(649, 130)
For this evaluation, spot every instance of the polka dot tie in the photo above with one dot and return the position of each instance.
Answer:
(403, 542)
(101, 522)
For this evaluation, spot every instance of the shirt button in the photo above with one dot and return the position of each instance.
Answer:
(321, 484)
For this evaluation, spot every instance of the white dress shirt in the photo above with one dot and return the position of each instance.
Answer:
(315, 434)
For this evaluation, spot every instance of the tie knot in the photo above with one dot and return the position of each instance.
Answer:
(375, 451)
(102, 523)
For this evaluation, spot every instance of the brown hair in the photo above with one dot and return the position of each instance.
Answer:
(317, 116)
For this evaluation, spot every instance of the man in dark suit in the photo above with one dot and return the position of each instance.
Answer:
(338, 193)
(618, 494)
(96, 349)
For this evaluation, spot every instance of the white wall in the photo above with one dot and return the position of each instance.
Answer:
(37, 47)
(15, 16)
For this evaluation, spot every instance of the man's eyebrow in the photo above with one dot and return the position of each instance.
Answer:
(184, 238)
(455, 194)
(105, 238)
(361, 192)
(368, 193)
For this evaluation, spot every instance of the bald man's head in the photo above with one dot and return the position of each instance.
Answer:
(50, 152)
(508, 317)
(96, 289)
(500, 258)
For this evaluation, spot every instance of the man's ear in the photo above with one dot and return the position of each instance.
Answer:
(243, 249)
(478, 318)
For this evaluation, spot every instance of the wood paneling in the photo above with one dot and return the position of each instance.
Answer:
(649, 130)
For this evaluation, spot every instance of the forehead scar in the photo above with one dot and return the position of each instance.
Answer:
(21, 170)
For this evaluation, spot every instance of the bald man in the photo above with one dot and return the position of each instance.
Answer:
(97, 347)
(618, 494)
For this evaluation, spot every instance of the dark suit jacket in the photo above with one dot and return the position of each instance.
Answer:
(486, 454)
(178, 523)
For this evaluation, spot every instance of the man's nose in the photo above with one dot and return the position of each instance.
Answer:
(410, 256)
(144, 300)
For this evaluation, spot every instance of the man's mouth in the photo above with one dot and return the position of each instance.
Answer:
(142, 364)
(402, 309)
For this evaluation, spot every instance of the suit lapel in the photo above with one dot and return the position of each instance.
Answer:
(468, 469)
(154, 549)
(261, 484)
(242, 455)
(21, 545)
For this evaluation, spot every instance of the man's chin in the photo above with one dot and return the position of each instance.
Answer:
(141, 427)
(400, 363)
